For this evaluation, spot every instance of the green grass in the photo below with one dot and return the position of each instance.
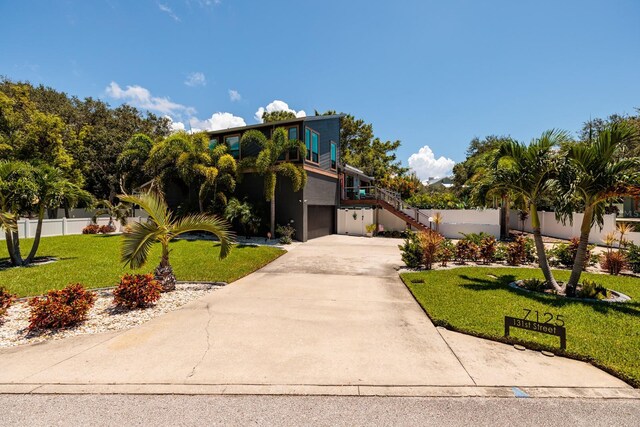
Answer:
(94, 261)
(476, 299)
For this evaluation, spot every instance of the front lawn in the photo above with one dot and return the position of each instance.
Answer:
(94, 261)
(476, 299)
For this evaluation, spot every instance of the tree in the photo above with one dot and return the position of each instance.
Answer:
(242, 213)
(528, 172)
(120, 212)
(25, 189)
(595, 174)
(161, 228)
(269, 165)
(131, 162)
(361, 149)
(277, 116)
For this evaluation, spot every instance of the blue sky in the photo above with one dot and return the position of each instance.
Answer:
(433, 74)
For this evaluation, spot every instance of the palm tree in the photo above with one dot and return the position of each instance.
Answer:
(161, 228)
(120, 212)
(131, 161)
(269, 163)
(594, 175)
(527, 171)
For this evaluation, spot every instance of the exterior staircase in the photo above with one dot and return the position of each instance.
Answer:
(392, 203)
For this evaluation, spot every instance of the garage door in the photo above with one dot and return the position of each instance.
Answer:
(320, 220)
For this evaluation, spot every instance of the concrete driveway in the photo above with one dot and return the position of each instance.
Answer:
(329, 317)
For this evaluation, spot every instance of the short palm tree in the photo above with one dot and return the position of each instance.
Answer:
(528, 171)
(595, 175)
(119, 212)
(269, 163)
(161, 228)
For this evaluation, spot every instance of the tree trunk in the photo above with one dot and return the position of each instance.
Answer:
(273, 215)
(542, 255)
(10, 248)
(164, 272)
(14, 249)
(36, 240)
(579, 262)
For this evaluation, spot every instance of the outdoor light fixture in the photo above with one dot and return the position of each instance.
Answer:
(430, 221)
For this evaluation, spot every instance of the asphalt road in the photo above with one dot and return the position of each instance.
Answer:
(159, 410)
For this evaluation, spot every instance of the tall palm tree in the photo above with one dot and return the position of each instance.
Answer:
(527, 171)
(161, 228)
(596, 174)
(269, 163)
(120, 212)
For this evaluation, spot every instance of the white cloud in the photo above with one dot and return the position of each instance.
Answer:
(142, 98)
(166, 9)
(426, 166)
(217, 121)
(196, 79)
(277, 105)
(234, 95)
(175, 126)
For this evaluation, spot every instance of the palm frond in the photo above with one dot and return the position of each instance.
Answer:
(137, 243)
(153, 204)
(212, 224)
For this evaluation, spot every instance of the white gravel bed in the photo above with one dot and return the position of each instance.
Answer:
(103, 316)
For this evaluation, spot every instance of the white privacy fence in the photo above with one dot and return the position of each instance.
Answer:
(62, 226)
(551, 227)
(456, 222)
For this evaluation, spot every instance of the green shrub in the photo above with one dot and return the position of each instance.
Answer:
(501, 252)
(530, 250)
(411, 250)
(136, 291)
(6, 299)
(286, 233)
(535, 285)
(60, 308)
(370, 228)
(633, 257)
(590, 289)
(564, 254)
(476, 238)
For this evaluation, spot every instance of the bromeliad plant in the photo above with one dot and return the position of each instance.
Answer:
(162, 227)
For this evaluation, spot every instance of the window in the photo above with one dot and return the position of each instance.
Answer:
(333, 155)
(314, 147)
(234, 145)
(307, 142)
(293, 135)
(212, 143)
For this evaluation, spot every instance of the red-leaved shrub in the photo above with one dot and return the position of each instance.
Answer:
(91, 229)
(137, 291)
(6, 299)
(60, 308)
(613, 262)
(105, 229)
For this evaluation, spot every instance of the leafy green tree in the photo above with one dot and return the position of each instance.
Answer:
(242, 213)
(161, 228)
(268, 165)
(595, 173)
(277, 116)
(528, 172)
(361, 149)
(131, 162)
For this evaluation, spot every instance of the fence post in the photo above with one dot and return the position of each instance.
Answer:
(64, 225)
(27, 228)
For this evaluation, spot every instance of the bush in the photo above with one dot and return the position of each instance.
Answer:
(488, 246)
(137, 291)
(466, 250)
(590, 289)
(91, 229)
(633, 257)
(476, 238)
(371, 228)
(430, 242)
(411, 250)
(60, 308)
(6, 299)
(535, 285)
(105, 229)
(501, 252)
(613, 262)
(446, 252)
(516, 251)
(286, 233)
(396, 234)
(530, 250)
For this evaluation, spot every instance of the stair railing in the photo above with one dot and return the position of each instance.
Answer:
(394, 199)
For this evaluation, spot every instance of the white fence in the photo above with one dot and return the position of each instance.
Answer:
(354, 221)
(551, 227)
(61, 226)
